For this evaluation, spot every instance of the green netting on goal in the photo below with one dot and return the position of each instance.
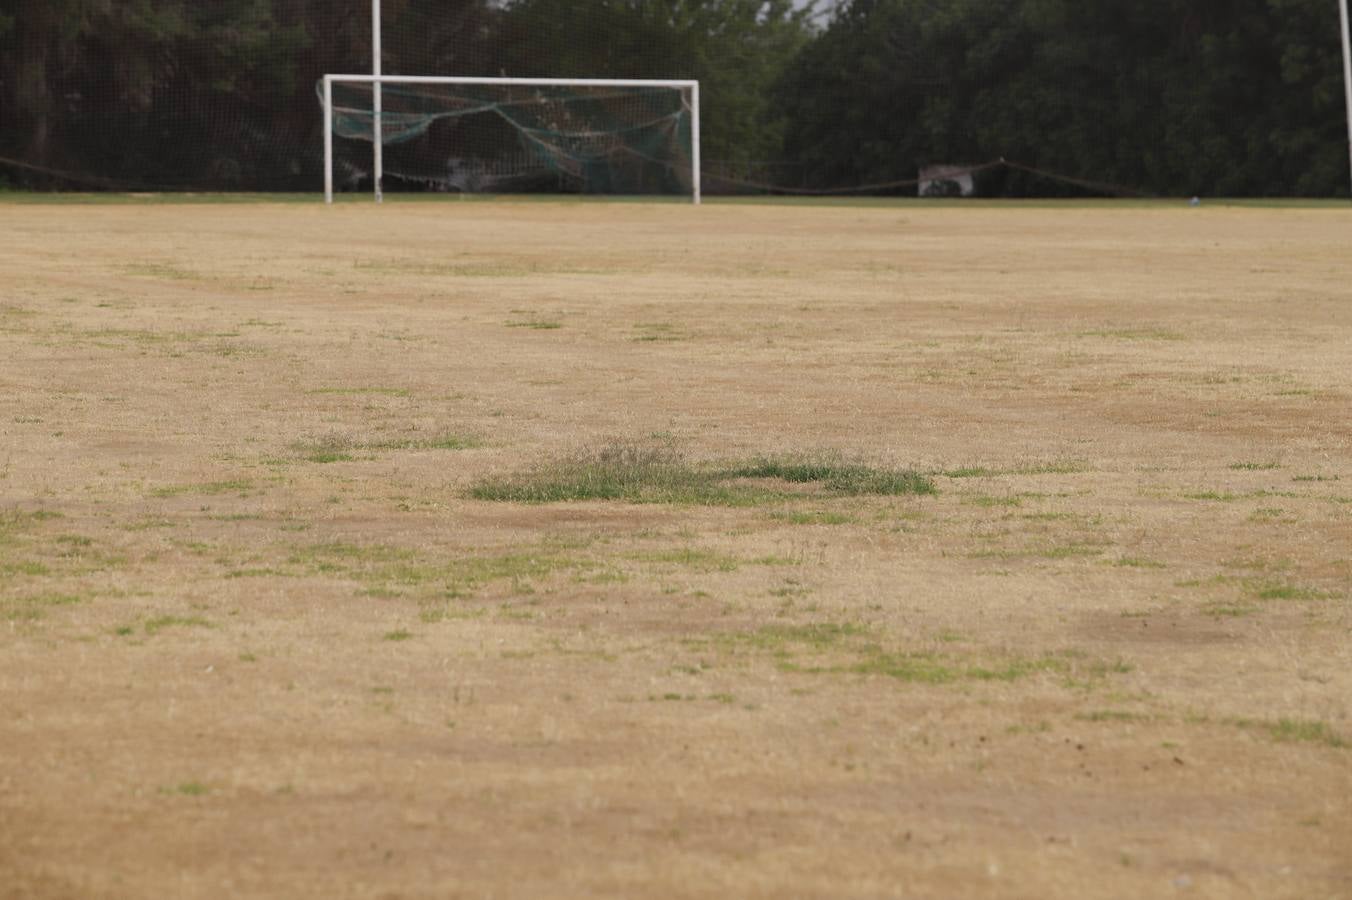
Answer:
(496, 138)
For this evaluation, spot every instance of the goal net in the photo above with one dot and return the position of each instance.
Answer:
(504, 135)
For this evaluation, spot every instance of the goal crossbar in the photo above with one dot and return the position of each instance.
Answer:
(377, 127)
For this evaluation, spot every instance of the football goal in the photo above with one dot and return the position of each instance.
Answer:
(497, 135)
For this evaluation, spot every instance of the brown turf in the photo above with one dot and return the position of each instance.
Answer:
(1111, 657)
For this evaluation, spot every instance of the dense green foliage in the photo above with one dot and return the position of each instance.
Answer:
(1238, 97)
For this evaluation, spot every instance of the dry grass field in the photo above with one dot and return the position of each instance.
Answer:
(570, 549)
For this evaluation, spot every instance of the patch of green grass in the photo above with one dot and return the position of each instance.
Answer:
(850, 648)
(692, 557)
(357, 391)
(330, 448)
(340, 448)
(1254, 466)
(387, 571)
(25, 567)
(188, 789)
(1218, 496)
(1137, 562)
(1229, 610)
(1056, 467)
(607, 576)
(970, 472)
(924, 668)
(321, 554)
(536, 324)
(847, 479)
(1287, 730)
(1134, 334)
(149, 523)
(209, 488)
(53, 600)
(1111, 715)
(328, 456)
(779, 639)
(1308, 730)
(31, 608)
(618, 472)
(1055, 551)
(159, 623)
(659, 332)
(1039, 727)
(641, 474)
(161, 270)
(494, 268)
(1014, 669)
(440, 442)
(398, 635)
(256, 573)
(1315, 478)
(1279, 590)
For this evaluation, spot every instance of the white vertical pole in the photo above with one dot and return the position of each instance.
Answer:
(328, 139)
(377, 126)
(694, 139)
(1347, 77)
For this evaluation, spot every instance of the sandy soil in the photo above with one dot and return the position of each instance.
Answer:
(257, 640)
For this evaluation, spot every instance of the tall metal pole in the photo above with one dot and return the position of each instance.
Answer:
(328, 139)
(1347, 77)
(377, 126)
(695, 170)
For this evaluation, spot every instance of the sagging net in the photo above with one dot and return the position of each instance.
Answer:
(498, 138)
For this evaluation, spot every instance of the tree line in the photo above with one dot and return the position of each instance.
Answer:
(1171, 97)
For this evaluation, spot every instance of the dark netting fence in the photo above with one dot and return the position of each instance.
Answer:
(994, 97)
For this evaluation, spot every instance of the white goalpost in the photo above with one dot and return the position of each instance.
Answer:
(573, 125)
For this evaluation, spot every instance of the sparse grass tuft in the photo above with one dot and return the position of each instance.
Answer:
(1112, 715)
(1218, 496)
(341, 447)
(847, 479)
(357, 391)
(1307, 730)
(636, 473)
(188, 789)
(159, 623)
(628, 472)
(209, 488)
(692, 557)
(1136, 562)
(970, 472)
(1280, 590)
(1312, 731)
(440, 442)
(850, 648)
